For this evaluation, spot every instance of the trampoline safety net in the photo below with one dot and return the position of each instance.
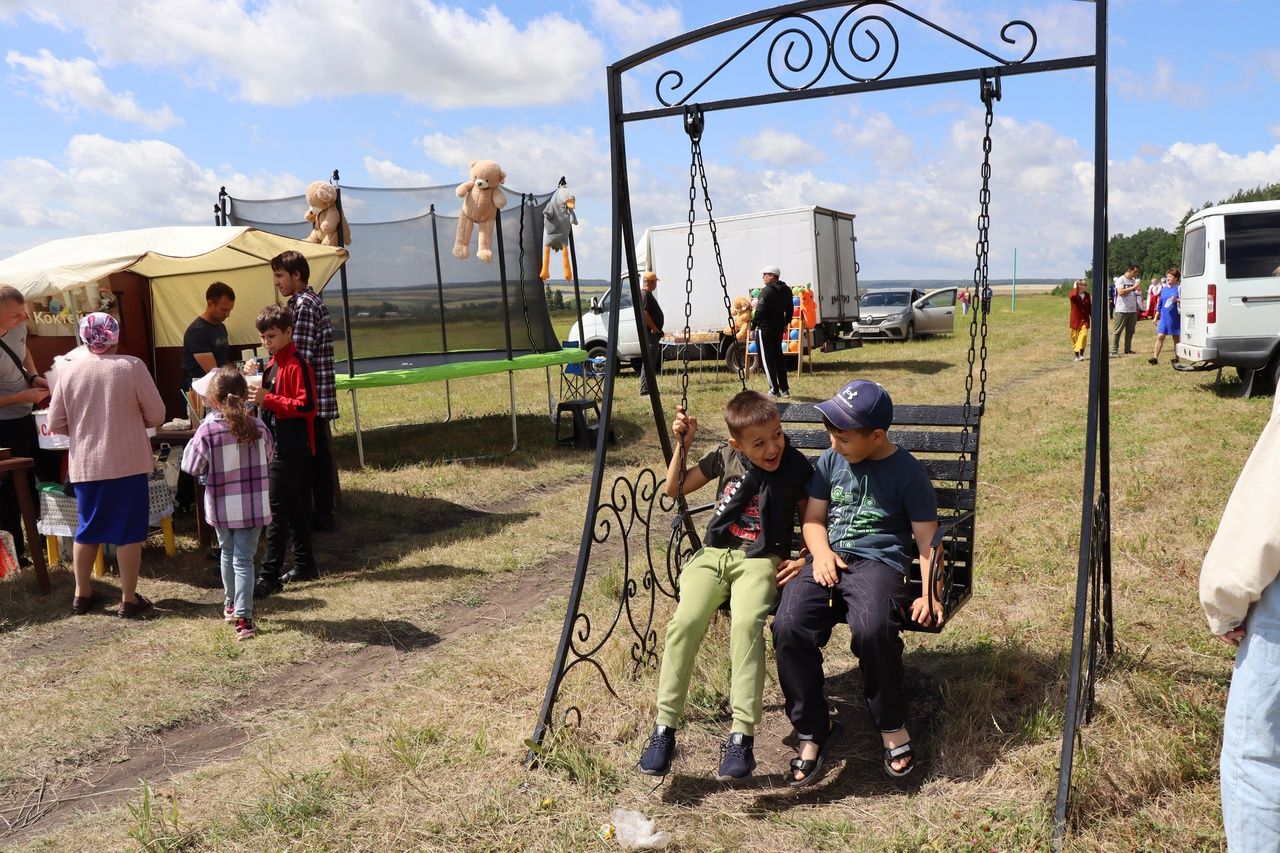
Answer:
(399, 304)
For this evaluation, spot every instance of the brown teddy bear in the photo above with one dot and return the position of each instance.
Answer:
(741, 328)
(322, 213)
(481, 199)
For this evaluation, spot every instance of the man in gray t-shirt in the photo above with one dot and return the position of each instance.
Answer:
(20, 390)
(1125, 318)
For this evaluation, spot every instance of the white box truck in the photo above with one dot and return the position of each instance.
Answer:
(1231, 292)
(810, 245)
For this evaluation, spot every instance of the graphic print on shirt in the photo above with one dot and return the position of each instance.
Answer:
(855, 511)
(746, 526)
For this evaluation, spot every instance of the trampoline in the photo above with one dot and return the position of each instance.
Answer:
(410, 312)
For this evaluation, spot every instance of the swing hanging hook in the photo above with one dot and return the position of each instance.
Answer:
(694, 122)
(990, 86)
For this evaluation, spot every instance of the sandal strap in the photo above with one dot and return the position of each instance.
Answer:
(804, 765)
(899, 751)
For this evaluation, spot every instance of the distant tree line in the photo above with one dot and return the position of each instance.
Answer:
(1155, 250)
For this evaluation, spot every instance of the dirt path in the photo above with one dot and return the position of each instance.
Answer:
(108, 780)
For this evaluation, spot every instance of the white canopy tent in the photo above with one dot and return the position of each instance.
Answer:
(180, 262)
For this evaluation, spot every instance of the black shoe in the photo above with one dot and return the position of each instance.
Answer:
(134, 609)
(658, 752)
(737, 757)
(296, 574)
(1153, 361)
(264, 588)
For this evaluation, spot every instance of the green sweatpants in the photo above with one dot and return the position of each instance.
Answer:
(711, 576)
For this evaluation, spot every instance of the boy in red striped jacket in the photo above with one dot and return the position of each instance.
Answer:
(287, 399)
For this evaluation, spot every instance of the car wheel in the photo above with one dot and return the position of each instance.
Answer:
(911, 331)
(597, 351)
(733, 356)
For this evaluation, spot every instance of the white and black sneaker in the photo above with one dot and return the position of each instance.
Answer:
(658, 752)
(737, 757)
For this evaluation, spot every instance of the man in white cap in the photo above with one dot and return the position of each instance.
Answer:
(771, 319)
(651, 314)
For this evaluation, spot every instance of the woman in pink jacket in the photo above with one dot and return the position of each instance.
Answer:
(105, 403)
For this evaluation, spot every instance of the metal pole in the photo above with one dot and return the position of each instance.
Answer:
(1097, 437)
(444, 331)
(1013, 302)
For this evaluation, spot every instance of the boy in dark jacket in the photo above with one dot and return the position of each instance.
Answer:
(287, 399)
(772, 317)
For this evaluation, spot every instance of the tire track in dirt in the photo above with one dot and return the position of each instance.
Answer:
(108, 780)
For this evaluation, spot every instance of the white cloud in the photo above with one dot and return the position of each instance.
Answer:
(287, 51)
(385, 173)
(1161, 86)
(70, 85)
(634, 25)
(101, 184)
(879, 138)
(780, 148)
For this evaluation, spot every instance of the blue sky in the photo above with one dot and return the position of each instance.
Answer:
(131, 113)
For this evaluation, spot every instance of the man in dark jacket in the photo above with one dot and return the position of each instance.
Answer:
(772, 317)
(651, 314)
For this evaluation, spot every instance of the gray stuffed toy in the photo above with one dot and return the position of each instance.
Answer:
(559, 218)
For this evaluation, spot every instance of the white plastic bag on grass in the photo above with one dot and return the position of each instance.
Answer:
(634, 831)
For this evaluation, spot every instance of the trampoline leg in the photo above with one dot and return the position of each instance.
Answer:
(511, 383)
(355, 417)
(551, 403)
(448, 403)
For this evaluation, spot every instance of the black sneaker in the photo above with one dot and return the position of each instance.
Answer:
(658, 752)
(300, 574)
(264, 588)
(737, 757)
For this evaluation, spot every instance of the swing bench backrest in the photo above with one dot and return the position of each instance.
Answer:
(935, 435)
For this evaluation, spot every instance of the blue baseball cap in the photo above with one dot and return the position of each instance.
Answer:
(860, 404)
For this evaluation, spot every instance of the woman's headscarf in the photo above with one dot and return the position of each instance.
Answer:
(99, 331)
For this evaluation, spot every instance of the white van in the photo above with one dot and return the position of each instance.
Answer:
(1231, 292)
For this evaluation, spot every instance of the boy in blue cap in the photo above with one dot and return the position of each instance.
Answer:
(868, 499)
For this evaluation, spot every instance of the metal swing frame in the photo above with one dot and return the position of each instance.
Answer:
(633, 507)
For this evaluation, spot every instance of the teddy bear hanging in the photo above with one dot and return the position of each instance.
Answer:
(560, 218)
(481, 199)
(323, 214)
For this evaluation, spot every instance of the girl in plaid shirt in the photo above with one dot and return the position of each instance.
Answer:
(230, 453)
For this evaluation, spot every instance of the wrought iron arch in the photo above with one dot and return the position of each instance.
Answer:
(808, 58)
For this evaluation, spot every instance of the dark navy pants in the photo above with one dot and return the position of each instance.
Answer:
(870, 597)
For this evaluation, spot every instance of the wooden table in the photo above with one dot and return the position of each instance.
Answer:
(15, 468)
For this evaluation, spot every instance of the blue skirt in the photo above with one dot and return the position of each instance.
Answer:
(113, 512)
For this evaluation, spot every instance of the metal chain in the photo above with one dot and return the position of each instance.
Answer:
(715, 243)
(693, 124)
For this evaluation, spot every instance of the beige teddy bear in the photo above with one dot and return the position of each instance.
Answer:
(481, 199)
(322, 213)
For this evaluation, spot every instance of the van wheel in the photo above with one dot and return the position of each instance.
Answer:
(1259, 382)
(597, 351)
(733, 356)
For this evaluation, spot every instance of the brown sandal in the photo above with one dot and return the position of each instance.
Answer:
(134, 609)
(82, 604)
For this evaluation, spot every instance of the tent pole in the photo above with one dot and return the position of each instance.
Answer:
(355, 416)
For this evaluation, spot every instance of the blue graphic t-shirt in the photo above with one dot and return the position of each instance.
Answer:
(872, 504)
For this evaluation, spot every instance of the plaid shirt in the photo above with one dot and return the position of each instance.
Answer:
(235, 475)
(313, 336)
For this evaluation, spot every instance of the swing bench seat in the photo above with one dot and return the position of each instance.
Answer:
(936, 435)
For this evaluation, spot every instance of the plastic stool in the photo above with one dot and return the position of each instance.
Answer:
(584, 434)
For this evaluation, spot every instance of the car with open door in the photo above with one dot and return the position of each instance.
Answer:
(902, 313)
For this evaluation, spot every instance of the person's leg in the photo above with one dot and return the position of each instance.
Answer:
(1155, 356)
(304, 562)
(1130, 326)
(129, 559)
(82, 556)
(770, 354)
(17, 434)
(752, 592)
(1117, 327)
(322, 477)
(874, 593)
(226, 559)
(280, 487)
(1250, 764)
(245, 548)
(703, 587)
(801, 627)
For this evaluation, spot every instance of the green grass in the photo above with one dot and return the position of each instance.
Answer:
(424, 753)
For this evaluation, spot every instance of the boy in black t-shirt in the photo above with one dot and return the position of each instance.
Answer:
(761, 479)
(868, 500)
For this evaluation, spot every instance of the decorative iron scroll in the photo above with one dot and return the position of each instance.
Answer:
(862, 46)
(640, 517)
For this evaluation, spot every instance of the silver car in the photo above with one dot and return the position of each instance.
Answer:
(899, 314)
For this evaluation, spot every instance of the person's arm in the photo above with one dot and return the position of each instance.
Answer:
(826, 563)
(194, 459)
(29, 363)
(306, 331)
(58, 411)
(149, 399)
(921, 609)
(206, 360)
(683, 428)
(34, 394)
(788, 569)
